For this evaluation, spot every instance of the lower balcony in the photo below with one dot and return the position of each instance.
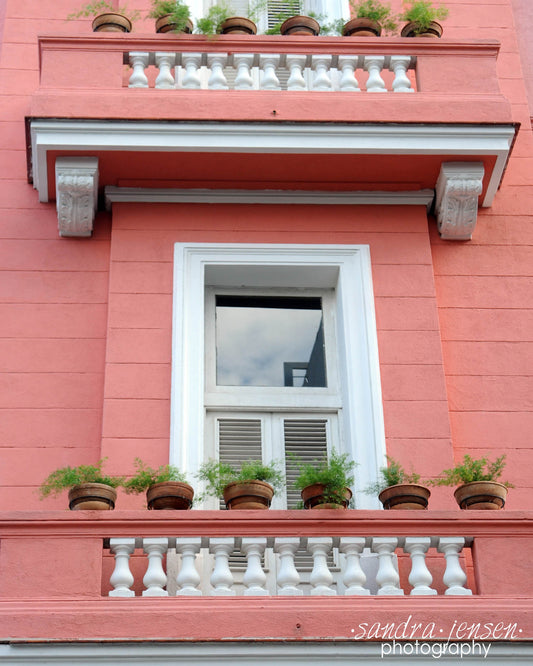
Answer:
(276, 575)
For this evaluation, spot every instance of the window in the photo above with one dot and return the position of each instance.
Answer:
(274, 350)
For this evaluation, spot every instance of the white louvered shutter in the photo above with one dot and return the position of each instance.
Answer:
(307, 439)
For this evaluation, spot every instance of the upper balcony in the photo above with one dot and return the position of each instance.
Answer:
(349, 117)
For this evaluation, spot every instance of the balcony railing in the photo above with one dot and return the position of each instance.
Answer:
(287, 575)
(459, 74)
(297, 565)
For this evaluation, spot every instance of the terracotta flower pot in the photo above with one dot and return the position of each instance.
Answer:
(164, 24)
(248, 495)
(361, 27)
(487, 495)
(300, 25)
(92, 496)
(170, 495)
(238, 25)
(410, 30)
(403, 496)
(111, 22)
(313, 498)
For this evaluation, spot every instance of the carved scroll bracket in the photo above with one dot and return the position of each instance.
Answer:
(458, 188)
(77, 194)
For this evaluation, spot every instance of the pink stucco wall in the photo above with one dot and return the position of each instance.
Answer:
(84, 376)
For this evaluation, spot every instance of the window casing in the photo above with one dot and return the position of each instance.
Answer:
(351, 403)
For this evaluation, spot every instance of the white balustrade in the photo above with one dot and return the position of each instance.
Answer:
(454, 577)
(155, 578)
(122, 578)
(271, 71)
(280, 566)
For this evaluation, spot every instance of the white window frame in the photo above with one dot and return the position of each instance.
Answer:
(347, 269)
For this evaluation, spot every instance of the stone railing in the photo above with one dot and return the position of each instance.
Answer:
(450, 78)
(326, 574)
(271, 71)
(328, 566)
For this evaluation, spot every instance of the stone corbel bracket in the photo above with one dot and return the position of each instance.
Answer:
(76, 194)
(458, 188)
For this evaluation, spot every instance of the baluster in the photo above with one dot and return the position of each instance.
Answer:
(155, 578)
(374, 65)
(164, 61)
(216, 62)
(420, 577)
(243, 63)
(288, 577)
(295, 65)
(321, 578)
(387, 576)
(269, 62)
(254, 577)
(222, 578)
(454, 577)
(122, 578)
(139, 62)
(354, 577)
(399, 65)
(191, 62)
(348, 82)
(188, 578)
(320, 65)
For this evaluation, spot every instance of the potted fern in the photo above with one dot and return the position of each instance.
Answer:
(398, 489)
(477, 483)
(251, 486)
(289, 21)
(221, 19)
(371, 17)
(325, 483)
(166, 487)
(423, 18)
(89, 487)
(107, 18)
(171, 16)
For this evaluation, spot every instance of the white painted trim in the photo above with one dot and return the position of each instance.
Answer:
(304, 138)
(142, 195)
(256, 653)
(360, 385)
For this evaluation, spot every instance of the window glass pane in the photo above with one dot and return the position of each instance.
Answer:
(269, 341)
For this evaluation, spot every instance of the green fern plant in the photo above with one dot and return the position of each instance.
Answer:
(178, 12)
(218, 475)
(375, 11)
(472, 469)
(422, 13)
(68, 477)
(147, 476)
(335, 472)
(392, 474)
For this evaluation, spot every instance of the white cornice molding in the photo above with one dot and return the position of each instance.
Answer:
(457, 194)
(144, 195)
(286, 138)
(264, 653)
(77, 194)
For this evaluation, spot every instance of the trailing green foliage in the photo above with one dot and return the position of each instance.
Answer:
(422, 13)
(391, 475)
(375, 11)
(216, 15)
(178, 12)
(103, 7)
(67, 477)
(218, 475)
(147, 476)
(472, 469)
(334, 472)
